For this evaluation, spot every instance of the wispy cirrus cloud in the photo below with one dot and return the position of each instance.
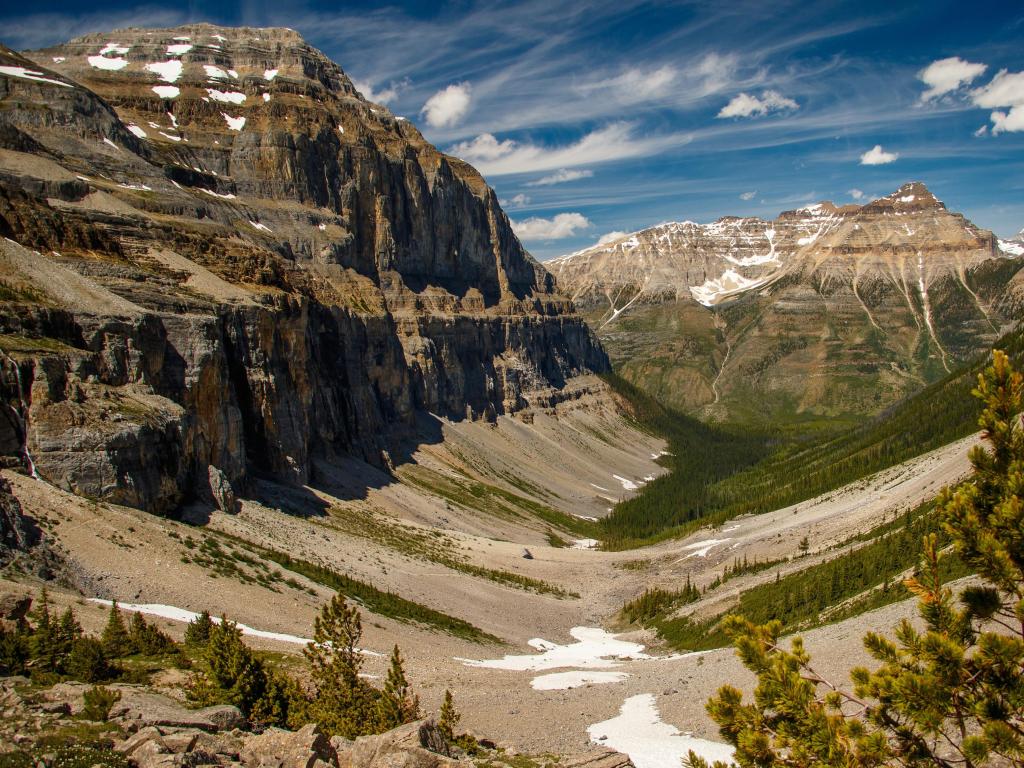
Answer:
(561, 176)
(39, 30)
(617, 141)
(387, 93)
(516, 201)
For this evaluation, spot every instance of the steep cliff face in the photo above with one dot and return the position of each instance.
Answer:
(824, 311)
(217, 254)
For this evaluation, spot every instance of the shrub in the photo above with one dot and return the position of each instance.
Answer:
(98, 703)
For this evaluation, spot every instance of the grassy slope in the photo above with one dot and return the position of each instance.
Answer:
(718, 472)
(858, 580)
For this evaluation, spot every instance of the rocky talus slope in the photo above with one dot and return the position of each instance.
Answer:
(218, 258)
(825, 310)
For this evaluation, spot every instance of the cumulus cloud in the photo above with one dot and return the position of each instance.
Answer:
(449, 105)
(878, 156)
(748, 195)
(611, 237)
(561, 176)
(1012, 121)
(1005, 90)
(947, 75)
(516, 201)
(616, 141)
(562, 225)
(746, 105)
(388, 94)
(856, 194)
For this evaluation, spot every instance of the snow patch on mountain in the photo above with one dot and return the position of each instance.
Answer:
(728, 284)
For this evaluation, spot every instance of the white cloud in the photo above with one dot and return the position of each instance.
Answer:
(946, 75)
(1012, 121)
(1005, 90)
(388, 94)
(449, 105)
(878, 156)
(714, 72)
(748, 195)
(611, 237)
(636, 85)
(982, 131)
(613, 142)
(745, 105)
(856, 194)
(561, 176)
(516, 201)
(561, 226)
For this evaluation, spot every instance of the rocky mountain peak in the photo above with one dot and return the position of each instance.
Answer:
(275, 268)
(897, 290)
(913, 196)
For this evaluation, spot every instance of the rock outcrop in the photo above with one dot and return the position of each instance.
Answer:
(825, 310)
(13, 533)
(219, 259)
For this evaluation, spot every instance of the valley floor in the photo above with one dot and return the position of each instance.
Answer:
(417, 537)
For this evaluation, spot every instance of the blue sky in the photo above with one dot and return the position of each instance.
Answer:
(594, 117)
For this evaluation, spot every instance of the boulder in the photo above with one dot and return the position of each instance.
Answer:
(600, 757)
(278, 748)
(139, 709)
(221, 492)
(155, 754)
(143, 736)
(225, 716)
(14, 607)
(14, 535)
(403, 747)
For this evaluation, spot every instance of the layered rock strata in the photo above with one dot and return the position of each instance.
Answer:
(219, 258)
(828, 309)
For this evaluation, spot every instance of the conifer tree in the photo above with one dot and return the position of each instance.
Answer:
(449, 719)
(344, 703)
(197, 633)
(234, 675)
(43, 643)
(115, 639)
(397, 704)
(948, 696)
(88, 661)
(146, 638)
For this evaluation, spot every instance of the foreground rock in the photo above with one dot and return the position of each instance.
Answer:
(158, 732)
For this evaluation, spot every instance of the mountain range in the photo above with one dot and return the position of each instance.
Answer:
(262, 345)
(824, 311)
